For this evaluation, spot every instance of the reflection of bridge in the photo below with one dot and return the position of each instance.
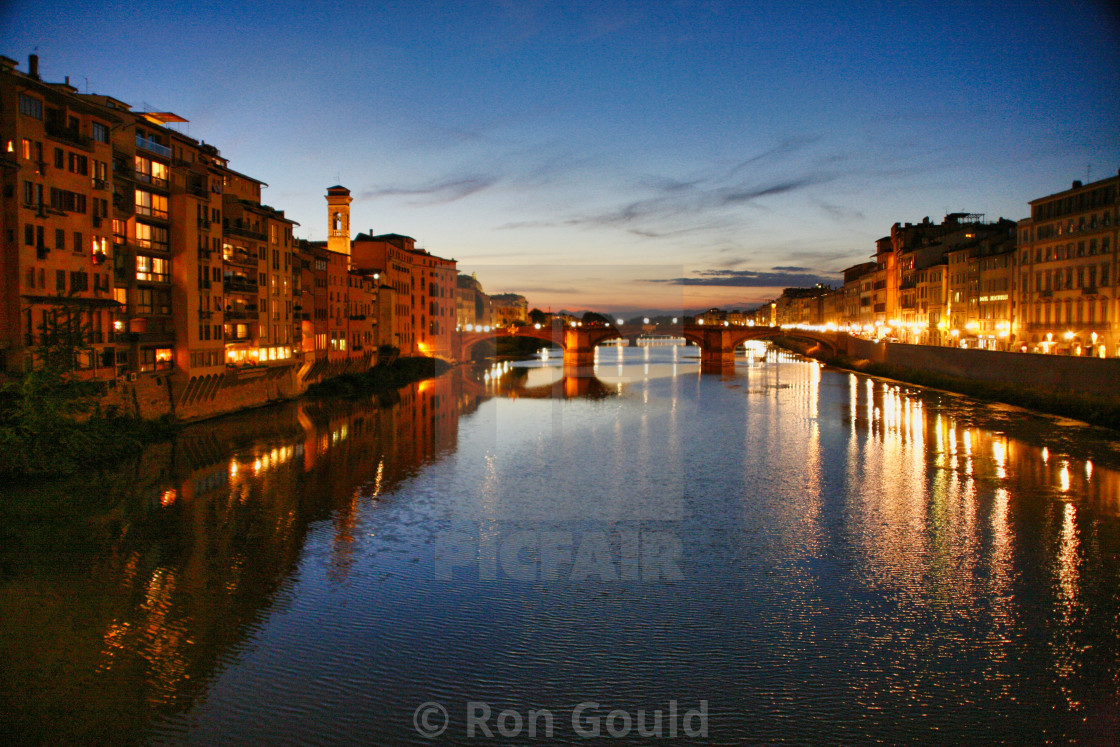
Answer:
(717, 344)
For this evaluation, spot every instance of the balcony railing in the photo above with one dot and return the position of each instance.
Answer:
(72, 136)
(237, 285)
(156, 181)
(245, 232)
(241, 258)
(248, 312)
(1060, 328)
(152, 146)
(151, 212)
(155, 338)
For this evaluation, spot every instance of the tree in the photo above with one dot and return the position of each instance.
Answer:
(38, 425)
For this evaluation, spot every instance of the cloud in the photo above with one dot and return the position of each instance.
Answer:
(752, 279)
(437, 192)
(791, 269)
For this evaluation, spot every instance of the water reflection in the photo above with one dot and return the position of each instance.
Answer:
(854, 553)
(122, 592)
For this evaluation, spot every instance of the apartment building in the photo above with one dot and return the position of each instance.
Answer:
(1068, 279)
(423, 314)
(472, 305)
(509, 308)
(56, 229)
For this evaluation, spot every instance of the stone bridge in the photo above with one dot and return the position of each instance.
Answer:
(717, 343)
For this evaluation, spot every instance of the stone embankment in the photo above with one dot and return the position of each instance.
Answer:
(1082, 388)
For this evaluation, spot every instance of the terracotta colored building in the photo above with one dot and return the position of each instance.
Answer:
(423, 286)
(1068, 276)
(55, 225)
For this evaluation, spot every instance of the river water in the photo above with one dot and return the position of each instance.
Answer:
(790, 553)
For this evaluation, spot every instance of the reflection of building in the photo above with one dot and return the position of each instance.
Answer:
(201, 534)
(509, 308)
(1068, 273)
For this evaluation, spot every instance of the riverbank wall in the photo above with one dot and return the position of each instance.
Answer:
(1082, 388)
(152, 397)
(1054, 374)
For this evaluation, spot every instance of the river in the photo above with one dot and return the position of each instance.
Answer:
(790, 553)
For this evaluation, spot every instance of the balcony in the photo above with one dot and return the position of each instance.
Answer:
(148, 211)
(155, 181)
(203, 314)
(154, 338)
(239, 285)
(1089, 290)
(244, 232)
(68, 135)
(248, 312)
(99, 183)
(152, 146)
(240, 257)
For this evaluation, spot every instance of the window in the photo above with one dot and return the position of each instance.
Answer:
(151, 172)
(32, 194)
(79, 281)
(60, 281)
(59, 239)
(154, 359)
(78, 244)
(30, 106)
(78, 164)
(150, 204)
(152, 237)
(152, 269)
(71, 202)
(99, 132)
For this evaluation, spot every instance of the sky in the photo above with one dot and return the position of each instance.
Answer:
(619, 155)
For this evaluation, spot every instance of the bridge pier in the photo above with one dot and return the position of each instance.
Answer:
(579, 349)
(717, 361)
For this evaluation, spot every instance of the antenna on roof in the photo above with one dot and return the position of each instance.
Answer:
(1088, 172)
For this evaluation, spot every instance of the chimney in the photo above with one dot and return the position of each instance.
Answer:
(1076, 184)
(33, 66)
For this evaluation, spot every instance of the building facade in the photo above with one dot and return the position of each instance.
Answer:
(1067, 273)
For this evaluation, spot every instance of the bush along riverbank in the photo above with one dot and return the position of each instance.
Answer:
(379, 379)
(1087, 408)
(51, 425)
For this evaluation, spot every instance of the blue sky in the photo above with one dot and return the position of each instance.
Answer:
(683, 154)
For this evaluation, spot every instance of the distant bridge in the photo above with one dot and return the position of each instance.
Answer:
(717, 343)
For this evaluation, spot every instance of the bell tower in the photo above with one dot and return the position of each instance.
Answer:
(338, 219)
